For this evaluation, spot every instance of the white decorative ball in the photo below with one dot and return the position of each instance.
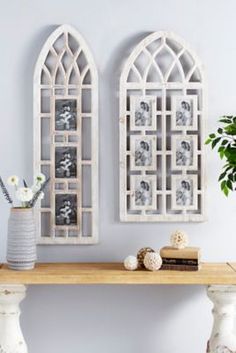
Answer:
(152, 261)
(131, 263)
(179, 240)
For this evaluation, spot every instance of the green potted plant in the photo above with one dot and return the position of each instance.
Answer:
(225, 142)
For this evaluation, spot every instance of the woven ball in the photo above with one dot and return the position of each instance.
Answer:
(131, 263)
(152, 261)
(179, 240)
(141, 254)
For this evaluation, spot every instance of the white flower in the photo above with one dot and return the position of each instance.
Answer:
(40, 178)
(35, 188)
(24, 194)
(13, 180)
(41, 195)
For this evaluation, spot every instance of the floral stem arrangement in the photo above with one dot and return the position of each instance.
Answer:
(225, 140)
(27, 196)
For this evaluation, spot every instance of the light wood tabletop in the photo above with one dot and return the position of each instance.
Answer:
(114, 273)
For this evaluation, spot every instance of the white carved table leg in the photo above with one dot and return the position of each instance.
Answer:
(223, 337)
(11, 338)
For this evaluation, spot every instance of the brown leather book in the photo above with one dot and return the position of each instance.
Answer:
(186, 253)
(180, 267)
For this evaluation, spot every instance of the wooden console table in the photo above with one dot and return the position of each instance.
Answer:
(220, 279)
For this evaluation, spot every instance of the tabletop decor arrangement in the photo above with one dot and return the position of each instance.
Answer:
(225, 140)
(146, 258)
(177, 257)
(21, 242)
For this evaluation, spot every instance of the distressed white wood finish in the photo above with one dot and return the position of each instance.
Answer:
(162, 66)
(223, 336)
(65, 69)
(11, 337)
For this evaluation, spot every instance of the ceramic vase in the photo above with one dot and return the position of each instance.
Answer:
(21, 242)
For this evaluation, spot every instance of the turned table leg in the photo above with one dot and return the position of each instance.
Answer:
(223, 336)
(11, 338)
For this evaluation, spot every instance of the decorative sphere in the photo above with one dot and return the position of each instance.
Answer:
(179, 240)
(152, 261)
(141, 254)
(131, 263)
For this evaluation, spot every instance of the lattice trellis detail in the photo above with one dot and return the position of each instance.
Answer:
(162, 114)
(66, 139)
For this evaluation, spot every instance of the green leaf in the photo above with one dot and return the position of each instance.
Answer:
(222, 154)
(222, 176)
(214, 142)
(223, 184)
(229, 185)
(212, 136)
(208, 141)
(226, 191)
(224, 142)
(230, 129)
(221, 148)
(225, 121)
(231, 177)
(220, 130)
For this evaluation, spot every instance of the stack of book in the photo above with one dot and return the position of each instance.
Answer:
(187, 259)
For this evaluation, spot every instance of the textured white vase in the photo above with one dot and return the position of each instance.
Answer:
(21, 242)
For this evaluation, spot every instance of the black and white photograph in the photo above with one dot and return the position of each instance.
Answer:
(143, 152)
(184, 152)
(66, 114)
(65, 162)
(66, 209)
(143, 113)
(184, 192)
(143, 192)
(184, 108)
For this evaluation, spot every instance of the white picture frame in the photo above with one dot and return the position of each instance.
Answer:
(143, 113)
(184, 112)
(184, 152)
(182, 80)
(184, 192)
(142, 152)
(143, 192)
(66, 120)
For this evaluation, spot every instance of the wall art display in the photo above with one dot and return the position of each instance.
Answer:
(162, 115)
(66, 139)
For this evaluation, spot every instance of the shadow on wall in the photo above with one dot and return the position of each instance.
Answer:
(89, 318)
(112, 76)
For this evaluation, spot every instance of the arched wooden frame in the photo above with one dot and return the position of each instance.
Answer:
(66, 139)
(162, 104)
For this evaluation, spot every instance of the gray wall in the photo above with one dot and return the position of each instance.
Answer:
(119, 318)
